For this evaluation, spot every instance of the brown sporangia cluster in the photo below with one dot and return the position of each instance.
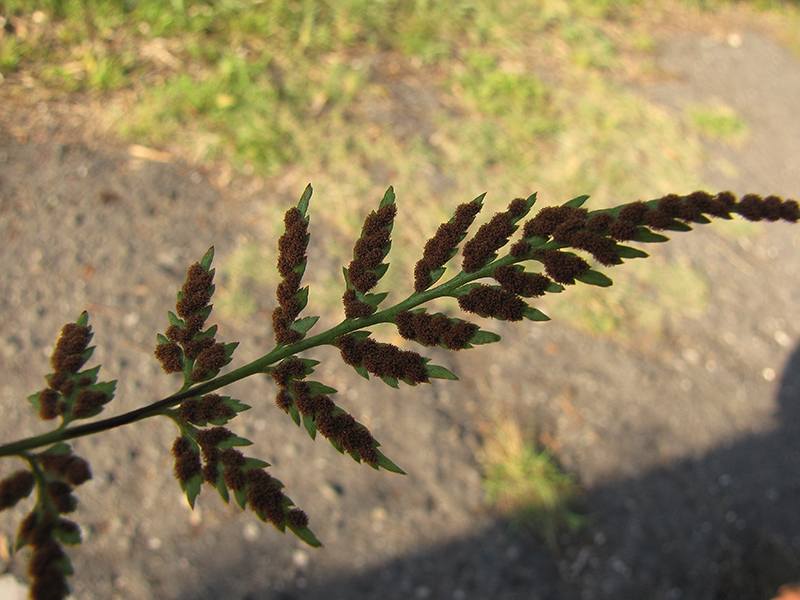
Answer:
(569, 225)
(562, 267)
(369, 252)
(73, 469)
(698, 205)
(15, 487)
(331, 421)
(488, 301)
(86, 401)
(42, 525)
(184, 341)
(205, 409)
(436, 329)
(599, 232)
(187, 460)
(232, 473)
(441, 247)
(492, 236)
(208, 440)
(264, 494)
(45, 567)
(292, 247)
(382, 360)
(521, 283)
(596, 234)
(68, 355)
(772, 208)
(289, 369)
(66, 360)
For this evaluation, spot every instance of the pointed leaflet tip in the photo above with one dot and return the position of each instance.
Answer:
(439, 372)
(34, 400)
(234, 440)
(437, 274)
(629, 252)
(681, 226)
(67, 535)
(205, 262)
(83, 319)
(302, 326)
(310, 425)
(387, 464)
(388, 197)
(302, 205)
(316, 388)
(362, 370)
(293, 412)
(306, 535)
(577, 202)
(302, 298)
(643, 234)
(483, 337)
(241, 497)
(192, 488)
(597, 278)
(534, 314)
(221, 487)
(390, 381)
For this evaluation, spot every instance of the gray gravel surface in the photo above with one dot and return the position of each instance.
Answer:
(687, 445)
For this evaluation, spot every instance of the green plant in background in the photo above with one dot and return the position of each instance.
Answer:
(246, 275)
(525, 483)
(719, 122)
(642, 301)
(507, 94)
(492, 281)
(240, 81)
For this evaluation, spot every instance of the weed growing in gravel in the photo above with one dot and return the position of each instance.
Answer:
(719, 122)
(208, 453)
(525, 483)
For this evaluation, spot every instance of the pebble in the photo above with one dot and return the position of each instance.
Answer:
(783, 338)
(422, 592)
(250, 532)
(300, 559)
(11, 589)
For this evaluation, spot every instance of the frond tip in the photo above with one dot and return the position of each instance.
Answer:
(292, 258)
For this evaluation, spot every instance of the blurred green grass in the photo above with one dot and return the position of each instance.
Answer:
(441, 100)
(525, 484)
(719, 122)
(646, 298)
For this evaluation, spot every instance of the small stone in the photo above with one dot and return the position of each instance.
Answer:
(422, 592)
(300, 559)
(783, 338)
(250, 532)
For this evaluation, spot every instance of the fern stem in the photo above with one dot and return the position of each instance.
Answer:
(260, 365)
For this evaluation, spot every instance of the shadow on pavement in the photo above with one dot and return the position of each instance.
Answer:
(724, 526)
